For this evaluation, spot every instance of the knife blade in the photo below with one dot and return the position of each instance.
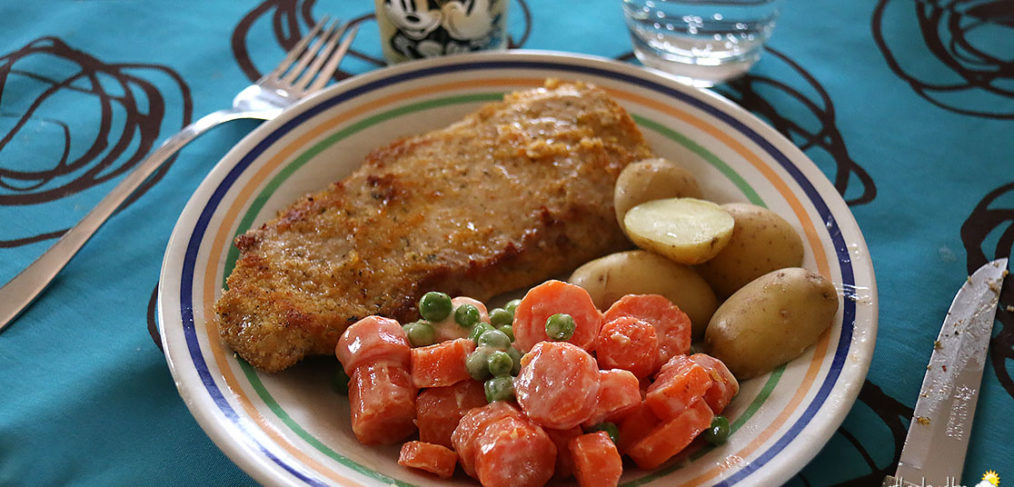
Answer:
(937, 441)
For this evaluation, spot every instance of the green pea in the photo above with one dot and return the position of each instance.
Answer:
(507, 330)
(512, 306)
(610, 428)
(420, 333)
(516, 357)
(499, 317)
(494, 339)
(499, 388)
(340, 381)
(500, 363)
(718, 432)
(560, 326)
(477, 363)
(477, 331)
(434, 306)
(466, 315)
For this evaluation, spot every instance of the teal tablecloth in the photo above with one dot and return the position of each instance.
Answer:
(908, 107)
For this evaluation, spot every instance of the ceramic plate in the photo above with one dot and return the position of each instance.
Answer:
(292, 429)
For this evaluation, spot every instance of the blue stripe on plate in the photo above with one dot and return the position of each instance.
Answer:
(201, 226)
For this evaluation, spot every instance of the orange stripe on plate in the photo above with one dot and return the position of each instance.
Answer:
(246, 194)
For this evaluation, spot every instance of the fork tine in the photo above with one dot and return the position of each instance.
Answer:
(336, 58)
(321, 56)
(308, 55)
(298, 49)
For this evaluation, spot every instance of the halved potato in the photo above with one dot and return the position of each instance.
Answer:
(686, 230)
(652, 179)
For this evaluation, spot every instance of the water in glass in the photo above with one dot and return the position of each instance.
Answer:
(701, 41)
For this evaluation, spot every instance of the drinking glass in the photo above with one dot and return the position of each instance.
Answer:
(701, 42)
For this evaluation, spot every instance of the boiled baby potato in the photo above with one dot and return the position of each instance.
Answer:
(762, 241)
(652, 179)
(686, 230)
(639, 272)
(771, 320)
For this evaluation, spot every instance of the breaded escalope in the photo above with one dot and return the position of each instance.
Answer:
(515, 193)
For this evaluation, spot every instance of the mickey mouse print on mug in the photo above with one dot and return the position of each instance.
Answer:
(416, 29)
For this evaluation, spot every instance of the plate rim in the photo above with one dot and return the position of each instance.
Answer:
(240, 451)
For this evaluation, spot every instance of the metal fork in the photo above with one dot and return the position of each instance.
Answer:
(303, 72)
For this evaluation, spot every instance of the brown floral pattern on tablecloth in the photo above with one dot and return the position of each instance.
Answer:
(965, 38)
(127, 109)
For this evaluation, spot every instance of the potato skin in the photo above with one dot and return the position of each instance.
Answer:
(652, 179)
(771, 320)
(640, 272)
(762, 241)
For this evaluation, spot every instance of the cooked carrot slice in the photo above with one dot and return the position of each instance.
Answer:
(435, 459)
(635, 426)
(671, 437)
(558, 385)
(597, 462)
(619, 394)
(725, 385)
(628, 343)
(474, 423)
(371, 340)
(514, 452)
(561, 438)
(680, 382)
(441, 364)
(382, 400)
(671, 324)
(547, 299)
(439, 409)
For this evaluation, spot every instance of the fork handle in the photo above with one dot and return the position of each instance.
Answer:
(17, 294)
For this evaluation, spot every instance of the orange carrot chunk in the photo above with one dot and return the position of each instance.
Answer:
(382, 400)
(671, 324)
(514, 452)
(628, 343)
(441, 364)
(558, 384)
(473, 424)
(680, 382)
(561, 438)
(597, 462)
(725, 385)
(373, 339)
(619, 394)
(553, 297)
(435, 459)
(439, 409)
(636, 426)
(671, 437)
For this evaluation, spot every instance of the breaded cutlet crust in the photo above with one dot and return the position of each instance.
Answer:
(514, 193)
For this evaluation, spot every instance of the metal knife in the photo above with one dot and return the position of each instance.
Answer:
(934, 451)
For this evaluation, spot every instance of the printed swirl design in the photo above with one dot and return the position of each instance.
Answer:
(968, 41)
(70, 121)
(818, 135)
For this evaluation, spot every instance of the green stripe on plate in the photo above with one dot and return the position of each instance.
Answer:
(261, 199)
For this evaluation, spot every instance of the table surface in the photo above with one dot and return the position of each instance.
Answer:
(907, 107)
